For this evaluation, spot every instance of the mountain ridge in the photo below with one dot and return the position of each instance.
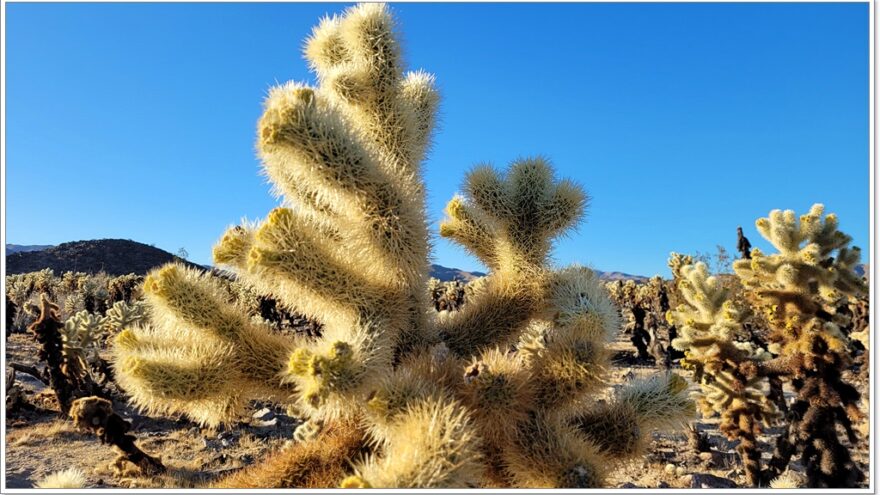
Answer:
(122, 256)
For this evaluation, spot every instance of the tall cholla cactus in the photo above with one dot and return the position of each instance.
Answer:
(798, 288)
(715, 343)
(492, 395)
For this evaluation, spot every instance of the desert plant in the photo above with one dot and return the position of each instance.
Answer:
(715, 343)
(11, 310)
(83, 335)
(798, 290)
(123, 315)
(442, 401)
(96, 414)
(47, 331)
(70, 478)
(123, 288)
(446, 296)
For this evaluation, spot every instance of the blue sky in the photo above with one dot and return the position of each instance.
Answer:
(682, 121)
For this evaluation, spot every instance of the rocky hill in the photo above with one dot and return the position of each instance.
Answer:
(113, 256)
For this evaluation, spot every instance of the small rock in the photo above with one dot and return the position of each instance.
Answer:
(264, 414)
(224, 442)
(680, 471)
(670, 468)
(704, 480)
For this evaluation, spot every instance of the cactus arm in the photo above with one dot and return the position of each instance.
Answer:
(433, 444)
(318, 462)
(509, 220)
(201, 357)
(620, 427)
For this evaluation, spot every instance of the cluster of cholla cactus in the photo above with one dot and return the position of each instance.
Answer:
(643, 307)
(73, 292)
(497, 393)
(447, 296)
(799, 290)
(83, 334)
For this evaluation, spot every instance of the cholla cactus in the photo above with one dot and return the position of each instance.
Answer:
(94, 291)
(676, 262)
(789, 480)
(70, 478)
(81, 334)
(123, 288)
(11, 310)
(123, 315)
(443, 400)
(715, 343)
(798, 288)
(446, 296)
(44, 282)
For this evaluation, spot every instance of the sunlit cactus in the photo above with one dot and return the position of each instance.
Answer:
(715, 344)
(799, 288)
(123, 315)
(499, 393)
(81, 335)
(201, 356)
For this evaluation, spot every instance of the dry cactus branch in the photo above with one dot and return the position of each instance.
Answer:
(96, 415)
(47, 331)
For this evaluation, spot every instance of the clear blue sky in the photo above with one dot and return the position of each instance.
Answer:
(681, 120)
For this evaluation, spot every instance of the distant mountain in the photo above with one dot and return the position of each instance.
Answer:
(113, 256)
(620, 276)
(20, 248)
(445, 274)
(448, 274)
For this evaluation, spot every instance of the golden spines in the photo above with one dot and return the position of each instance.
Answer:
(433, 444)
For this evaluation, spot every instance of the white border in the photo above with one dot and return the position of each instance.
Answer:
(872, 292)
